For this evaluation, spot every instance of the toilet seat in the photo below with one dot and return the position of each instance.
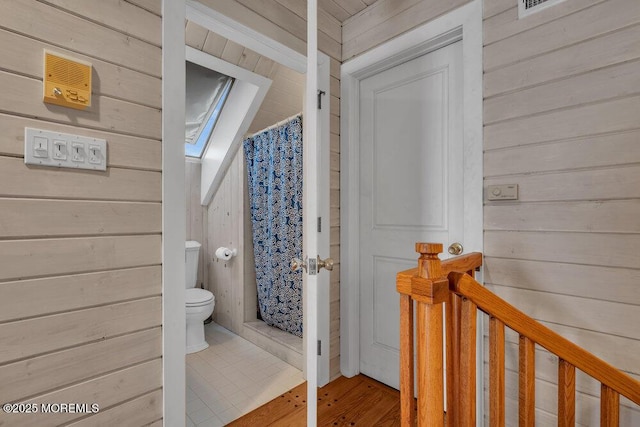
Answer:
(196, 297)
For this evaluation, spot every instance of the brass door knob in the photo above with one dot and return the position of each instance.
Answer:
(326, 263)
(456, 248)
(297, 264)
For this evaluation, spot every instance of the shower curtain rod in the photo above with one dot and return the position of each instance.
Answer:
(280, 123)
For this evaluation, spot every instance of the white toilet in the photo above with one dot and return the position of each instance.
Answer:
(199, 302)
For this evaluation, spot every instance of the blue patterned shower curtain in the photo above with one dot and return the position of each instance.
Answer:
(274, 166)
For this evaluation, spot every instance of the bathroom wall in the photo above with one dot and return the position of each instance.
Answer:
(225, 227)
(561, 115)
(196, 215)
(223, 223)
(80, 251)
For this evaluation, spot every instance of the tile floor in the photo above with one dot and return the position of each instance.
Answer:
(231, 378)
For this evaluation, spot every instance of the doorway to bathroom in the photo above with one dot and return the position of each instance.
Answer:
(218, 217)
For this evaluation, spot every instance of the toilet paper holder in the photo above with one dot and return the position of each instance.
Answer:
(225, 254)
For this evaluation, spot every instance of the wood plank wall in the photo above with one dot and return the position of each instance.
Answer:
(80, 251)
(285, 21)
(196, 216)
(386, 19)
(562, 120)
(225, 227)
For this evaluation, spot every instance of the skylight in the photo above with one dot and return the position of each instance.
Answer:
(207, 91)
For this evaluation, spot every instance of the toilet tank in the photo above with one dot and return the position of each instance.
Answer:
(192, 250)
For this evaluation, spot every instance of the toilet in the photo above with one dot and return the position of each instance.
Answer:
(199, 302)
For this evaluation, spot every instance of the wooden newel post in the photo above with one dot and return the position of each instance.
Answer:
(429, 264)
(430, 289)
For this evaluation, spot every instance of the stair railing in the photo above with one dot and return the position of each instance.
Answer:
(450, 282)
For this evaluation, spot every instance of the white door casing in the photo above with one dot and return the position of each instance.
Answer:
(410, 188)
(467, 21)
(173, 214)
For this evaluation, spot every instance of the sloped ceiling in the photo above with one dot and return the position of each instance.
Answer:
(343, 9)
(338, 9)
(285, 97)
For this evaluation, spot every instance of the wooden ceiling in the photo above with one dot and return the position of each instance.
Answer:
(285, 96)
(343, 9)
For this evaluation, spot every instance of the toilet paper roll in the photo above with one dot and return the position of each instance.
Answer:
(224, 254)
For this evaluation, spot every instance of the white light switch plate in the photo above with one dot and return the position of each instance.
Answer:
(63, 150)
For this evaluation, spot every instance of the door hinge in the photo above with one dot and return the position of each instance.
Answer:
(320, 93)
(319, 224)
(319, 348)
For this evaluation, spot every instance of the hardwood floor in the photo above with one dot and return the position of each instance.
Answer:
(357, 401)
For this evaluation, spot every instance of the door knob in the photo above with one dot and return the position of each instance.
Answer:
(297, 264)
(456, 248)
(326, 263)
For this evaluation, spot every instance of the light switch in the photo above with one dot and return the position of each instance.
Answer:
(47, 148)
(40, 147)
(78, 152)
(95, 154)
(59, 149)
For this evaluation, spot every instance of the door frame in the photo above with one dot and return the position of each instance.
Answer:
(174, 332)
(173, 171)
(465, 24)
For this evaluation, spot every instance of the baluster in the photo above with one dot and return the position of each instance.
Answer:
(496, 373)
(407, 402)
(566, 394)
(609, 407)
(527, 380)
(430, 382)
(467, 381)
(453, 358)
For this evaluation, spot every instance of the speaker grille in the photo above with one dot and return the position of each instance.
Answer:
(67, 81)
(66, 72)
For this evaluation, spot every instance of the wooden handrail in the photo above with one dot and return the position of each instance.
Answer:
(461, 264)
(490, 303)
(451, 282)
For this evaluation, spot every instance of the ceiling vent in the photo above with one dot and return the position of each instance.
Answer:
(527, 7)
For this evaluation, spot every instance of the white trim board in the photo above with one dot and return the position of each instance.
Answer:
(173, 214)
(466, 22)
(242, 105)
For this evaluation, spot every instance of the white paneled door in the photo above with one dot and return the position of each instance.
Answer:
(411, 187)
